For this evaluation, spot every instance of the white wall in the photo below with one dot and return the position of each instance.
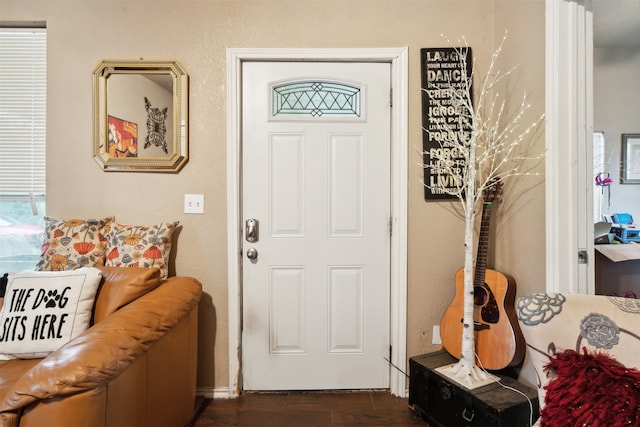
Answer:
(617, 111)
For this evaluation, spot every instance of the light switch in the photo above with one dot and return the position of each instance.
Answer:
(194, 203)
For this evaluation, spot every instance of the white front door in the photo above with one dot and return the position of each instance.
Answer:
(316, 180)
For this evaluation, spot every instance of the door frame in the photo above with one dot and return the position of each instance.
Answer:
(569, 146)
(398, 59)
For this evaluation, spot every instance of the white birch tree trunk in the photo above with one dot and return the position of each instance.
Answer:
(466, 372)
(468, 333)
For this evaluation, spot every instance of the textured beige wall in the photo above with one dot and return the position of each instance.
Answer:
(196, 33)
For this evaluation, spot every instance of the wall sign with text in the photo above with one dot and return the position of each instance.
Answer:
(443, 75)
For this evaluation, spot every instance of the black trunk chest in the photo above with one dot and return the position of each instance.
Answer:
(444, 403)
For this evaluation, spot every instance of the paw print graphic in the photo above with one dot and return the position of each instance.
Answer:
(52, 298)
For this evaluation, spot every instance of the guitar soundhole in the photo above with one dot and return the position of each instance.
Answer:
(483, 297)
(480, 296)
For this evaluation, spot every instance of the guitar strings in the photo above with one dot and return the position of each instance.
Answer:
(512, 389)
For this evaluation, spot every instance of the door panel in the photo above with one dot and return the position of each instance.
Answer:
(346, 320)
(346, 194)
(288, 171)
(316, 175)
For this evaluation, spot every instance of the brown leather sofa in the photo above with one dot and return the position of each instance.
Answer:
(134, 367)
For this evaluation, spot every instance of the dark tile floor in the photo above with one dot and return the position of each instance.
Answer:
(309, 409)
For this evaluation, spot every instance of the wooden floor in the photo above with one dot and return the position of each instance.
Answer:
(312, 409)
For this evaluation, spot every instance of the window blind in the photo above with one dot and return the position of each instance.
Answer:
(22, 111)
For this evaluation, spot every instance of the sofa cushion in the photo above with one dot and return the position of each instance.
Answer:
(590, 389)
(140, 246)
(121, 286)
(73, 243)
(44, 310)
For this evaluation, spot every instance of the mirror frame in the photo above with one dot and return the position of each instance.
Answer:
(177, 148)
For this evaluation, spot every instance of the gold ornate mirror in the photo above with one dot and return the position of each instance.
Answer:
(141, 116)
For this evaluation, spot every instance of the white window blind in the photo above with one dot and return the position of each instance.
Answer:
(22, 111)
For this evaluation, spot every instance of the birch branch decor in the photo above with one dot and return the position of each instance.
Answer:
(490, 142)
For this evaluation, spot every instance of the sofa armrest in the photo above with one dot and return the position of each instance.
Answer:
(106, 349)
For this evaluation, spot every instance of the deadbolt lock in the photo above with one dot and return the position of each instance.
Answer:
(252, 230)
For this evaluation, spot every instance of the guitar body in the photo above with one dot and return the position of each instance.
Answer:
(498, 341)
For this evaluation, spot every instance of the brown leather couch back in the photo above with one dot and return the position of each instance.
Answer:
(136, 367)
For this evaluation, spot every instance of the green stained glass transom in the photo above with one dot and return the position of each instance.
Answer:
(316, 99)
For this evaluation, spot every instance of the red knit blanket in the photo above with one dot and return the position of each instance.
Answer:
(591, 390)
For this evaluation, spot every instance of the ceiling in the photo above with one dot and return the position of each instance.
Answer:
(616, 23)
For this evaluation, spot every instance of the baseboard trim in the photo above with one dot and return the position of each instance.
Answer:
(225, 393)
(214, 393)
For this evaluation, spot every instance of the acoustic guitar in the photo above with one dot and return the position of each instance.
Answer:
(498, 340)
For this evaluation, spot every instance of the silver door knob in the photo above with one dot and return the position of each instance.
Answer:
(252, 253)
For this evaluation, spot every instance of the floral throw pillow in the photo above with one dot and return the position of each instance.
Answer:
(73, 243)
(140, 246)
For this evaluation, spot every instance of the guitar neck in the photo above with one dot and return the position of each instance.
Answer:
(483, 244)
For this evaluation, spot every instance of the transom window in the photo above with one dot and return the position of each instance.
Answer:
(316, 99)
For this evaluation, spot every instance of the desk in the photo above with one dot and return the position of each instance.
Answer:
(617, 269)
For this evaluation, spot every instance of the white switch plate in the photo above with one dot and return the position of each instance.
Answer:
(194, 203)
(435, 339)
